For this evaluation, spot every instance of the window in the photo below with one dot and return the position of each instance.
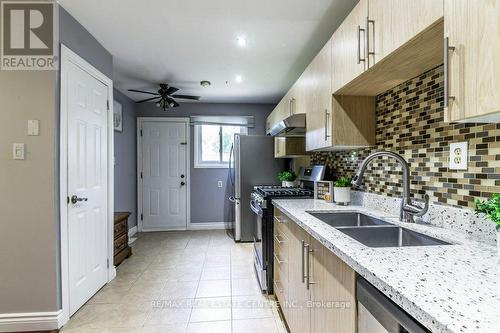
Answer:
(213, 144)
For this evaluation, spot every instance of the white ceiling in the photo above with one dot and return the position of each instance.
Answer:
(182, 42)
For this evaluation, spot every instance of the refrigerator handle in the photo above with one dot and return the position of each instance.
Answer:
(230, 167)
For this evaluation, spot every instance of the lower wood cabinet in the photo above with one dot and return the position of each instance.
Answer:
(317, 292)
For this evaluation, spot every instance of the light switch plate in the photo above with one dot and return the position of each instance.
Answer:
(458, 156)
(33, 127)
(219, 183)
(18, 151)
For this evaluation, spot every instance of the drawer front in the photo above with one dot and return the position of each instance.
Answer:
(121, 243)
(121, 228)
(282, 222)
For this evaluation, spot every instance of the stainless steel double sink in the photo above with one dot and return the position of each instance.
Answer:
(374, 232)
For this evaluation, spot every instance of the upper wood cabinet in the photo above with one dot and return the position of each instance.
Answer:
(472, 61)
(288, 147)
(349, 47)
(280, 112)
(392, 23)
(319, 100)
(383, 43)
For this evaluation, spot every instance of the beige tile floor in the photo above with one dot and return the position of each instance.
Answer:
(181, 282)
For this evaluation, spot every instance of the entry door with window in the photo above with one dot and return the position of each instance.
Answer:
(164, 175)
(87, 108)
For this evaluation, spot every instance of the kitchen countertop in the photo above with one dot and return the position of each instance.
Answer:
(447, 288)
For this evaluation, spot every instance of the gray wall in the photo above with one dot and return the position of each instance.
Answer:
(209, 202)
(126, 160)
(79, 40)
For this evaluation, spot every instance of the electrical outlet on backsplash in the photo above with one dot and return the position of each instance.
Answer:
(410, 122)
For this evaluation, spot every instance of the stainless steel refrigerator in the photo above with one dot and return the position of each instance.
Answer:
(251, 163)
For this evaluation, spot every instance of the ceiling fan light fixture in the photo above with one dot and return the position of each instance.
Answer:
(205, 83)
(242, 41)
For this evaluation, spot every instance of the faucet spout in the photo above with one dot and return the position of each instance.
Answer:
(408, 210)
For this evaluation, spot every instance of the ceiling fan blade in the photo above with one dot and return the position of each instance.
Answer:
(147, 99)
(196, 98)
(143, 92)
(171, 90)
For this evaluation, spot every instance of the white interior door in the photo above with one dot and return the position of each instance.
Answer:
(87, 184)
(164, 172)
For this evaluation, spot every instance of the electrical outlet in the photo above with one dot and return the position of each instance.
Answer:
(219, 183)
(458, 156)
(33, 127)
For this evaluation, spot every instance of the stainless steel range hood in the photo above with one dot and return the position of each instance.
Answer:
(295, 125)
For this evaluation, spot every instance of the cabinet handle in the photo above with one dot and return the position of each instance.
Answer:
(447, 49)
(326, 124)
(303, 257)
(278, 260)
(278, 240)
(368, 52)
(359, 45)
(279, 220)
(290, 107)
(308, 269)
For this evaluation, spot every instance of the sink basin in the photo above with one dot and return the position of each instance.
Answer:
(348, 219)
(390, 236)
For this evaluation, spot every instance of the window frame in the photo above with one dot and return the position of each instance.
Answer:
(198, 162)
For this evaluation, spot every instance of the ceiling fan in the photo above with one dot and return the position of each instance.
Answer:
(165, 97)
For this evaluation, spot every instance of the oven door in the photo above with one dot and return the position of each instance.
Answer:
(257, 244)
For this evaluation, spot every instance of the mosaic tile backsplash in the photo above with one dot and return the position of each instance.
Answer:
(410, 122)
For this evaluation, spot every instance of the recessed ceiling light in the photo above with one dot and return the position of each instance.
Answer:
(239, 78)
(205, 83)
(242, 41)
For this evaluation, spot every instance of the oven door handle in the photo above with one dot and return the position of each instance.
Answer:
(255, 208)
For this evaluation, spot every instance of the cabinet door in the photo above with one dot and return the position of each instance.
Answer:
(280, 112)
(299, 318)
(474, 66)
(300, 91)
(279, 147)
(392, 23)
(334, 287)
(349, 47)
(319, 99)
(281, 262)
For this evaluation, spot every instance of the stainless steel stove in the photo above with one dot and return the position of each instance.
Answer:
(261, 204)
(284, 192)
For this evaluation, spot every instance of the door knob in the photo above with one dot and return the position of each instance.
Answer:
(75, 199)
(182, 183)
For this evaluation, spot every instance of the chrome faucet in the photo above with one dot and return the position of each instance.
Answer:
(408, 210)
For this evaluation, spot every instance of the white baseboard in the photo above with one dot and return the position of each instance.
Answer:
(32, 321)
(132, 231)
(210, 226)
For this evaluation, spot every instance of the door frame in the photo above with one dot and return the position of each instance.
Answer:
(68, 56)
(140, 121)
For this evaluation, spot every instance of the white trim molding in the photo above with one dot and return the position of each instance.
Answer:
(209, 225)
(132, 231)
(68, 56)
(31, 321)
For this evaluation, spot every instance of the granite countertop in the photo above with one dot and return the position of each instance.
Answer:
(447, 288)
